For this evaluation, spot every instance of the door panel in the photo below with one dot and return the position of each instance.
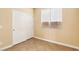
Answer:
(22, 26)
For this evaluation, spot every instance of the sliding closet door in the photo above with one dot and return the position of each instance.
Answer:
(22, 26)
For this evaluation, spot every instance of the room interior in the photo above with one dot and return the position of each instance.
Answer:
(55, 28)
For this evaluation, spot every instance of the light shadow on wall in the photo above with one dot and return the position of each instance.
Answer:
(53, 25)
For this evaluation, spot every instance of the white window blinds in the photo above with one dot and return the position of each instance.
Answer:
(51, 14)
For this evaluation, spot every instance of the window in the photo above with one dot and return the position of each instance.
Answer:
(51, 15)
(56, 15)
(45, 15)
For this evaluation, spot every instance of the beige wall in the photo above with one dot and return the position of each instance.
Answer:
(68, 32)
(5, 32)
(6, 22)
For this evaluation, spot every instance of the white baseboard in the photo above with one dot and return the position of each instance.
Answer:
(14, 43)
(2, 49)
(60, 43)
(6, 47)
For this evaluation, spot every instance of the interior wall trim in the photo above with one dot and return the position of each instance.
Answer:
(2, 49)
(60, 43)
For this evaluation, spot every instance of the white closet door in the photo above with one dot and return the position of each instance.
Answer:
(22, 26)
